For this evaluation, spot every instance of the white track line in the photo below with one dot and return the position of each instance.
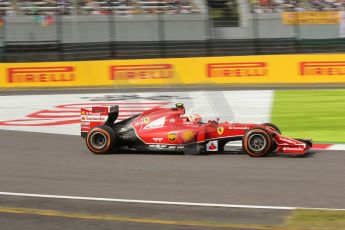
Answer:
(161, 202)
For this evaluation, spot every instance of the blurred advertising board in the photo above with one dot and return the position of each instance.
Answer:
(304, 18)
(272, 69)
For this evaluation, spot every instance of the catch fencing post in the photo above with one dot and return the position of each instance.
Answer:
(59, 34)
(161, 34)
(112, 37)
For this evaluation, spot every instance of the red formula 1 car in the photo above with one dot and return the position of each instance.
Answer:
(170, 129)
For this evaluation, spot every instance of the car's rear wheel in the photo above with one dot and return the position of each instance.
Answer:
(101, 139)
(257, 142)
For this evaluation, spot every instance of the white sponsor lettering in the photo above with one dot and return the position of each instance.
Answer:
(93, 117)
(158, 146)
(157, 139)
(293, 149)
(238, 127)
(156, 123)
(287, 140)
(167, 146)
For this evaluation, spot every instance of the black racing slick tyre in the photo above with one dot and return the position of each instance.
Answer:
(273, 127)
(101, 139)
(257, 142)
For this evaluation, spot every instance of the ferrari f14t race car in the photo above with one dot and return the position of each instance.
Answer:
(170, 129)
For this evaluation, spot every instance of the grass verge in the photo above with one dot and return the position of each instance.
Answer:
(316, 114)
(304, 219)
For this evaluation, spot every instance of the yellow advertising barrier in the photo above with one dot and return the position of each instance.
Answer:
(204, 70)
(311, 17)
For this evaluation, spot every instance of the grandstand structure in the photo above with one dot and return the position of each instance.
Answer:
(53, 30)
(278, 6)
(100, 7)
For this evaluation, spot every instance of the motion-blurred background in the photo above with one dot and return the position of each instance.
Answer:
(49, 30)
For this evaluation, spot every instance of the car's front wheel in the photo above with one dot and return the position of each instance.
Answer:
(257, 142)
(273, 127)
(101, 139)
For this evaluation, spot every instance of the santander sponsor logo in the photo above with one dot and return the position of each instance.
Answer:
(300, 148)
(239, 127)
(94, 117)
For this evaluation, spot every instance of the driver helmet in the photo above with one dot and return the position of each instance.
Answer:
(193, 117)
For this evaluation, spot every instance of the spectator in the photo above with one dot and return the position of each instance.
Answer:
(122, 7)
(268, 6)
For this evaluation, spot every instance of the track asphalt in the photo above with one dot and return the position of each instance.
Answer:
(61, 165)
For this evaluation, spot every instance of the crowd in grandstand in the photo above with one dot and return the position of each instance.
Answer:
(277, 6)
(120, 7)
(132, 7)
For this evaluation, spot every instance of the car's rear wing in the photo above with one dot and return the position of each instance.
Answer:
(97, 115)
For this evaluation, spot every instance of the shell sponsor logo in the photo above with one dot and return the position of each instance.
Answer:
(188, 135)
(238, 69)
(220, 130)
(149, 71)
(41, 74)
(172, 136)
(334, 68)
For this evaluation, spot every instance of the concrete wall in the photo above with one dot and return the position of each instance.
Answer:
(100, 28)
(269, 25)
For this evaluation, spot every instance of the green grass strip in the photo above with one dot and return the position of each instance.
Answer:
(303, 219)
(316, 114)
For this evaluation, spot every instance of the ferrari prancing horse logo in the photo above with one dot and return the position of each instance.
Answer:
(146, 120)
(220, 130)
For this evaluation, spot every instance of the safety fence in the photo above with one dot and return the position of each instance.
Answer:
(24, 38)
(54, 51)
(177, 71)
